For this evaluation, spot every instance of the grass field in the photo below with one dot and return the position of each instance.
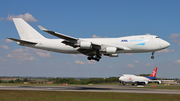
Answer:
(82, 96)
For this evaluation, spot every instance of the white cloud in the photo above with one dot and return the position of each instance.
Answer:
(21, 55)
(130, 65)
(136, 61)
(172, 36)
(80, 62)
(9, 56)
(27, 54)
(43, 54)
(167, 59)
(27, 17)
(166, 51)
(68, 63)
(95, 36)
(148, 64)
(175, 38)
(91, 62)
(8, 40)
(77, 55)
(4, 47)
(31, 58)
(178, 61)
(2, 60)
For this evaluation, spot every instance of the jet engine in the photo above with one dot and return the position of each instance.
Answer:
(85, 45)
(110, 50)
(159, 82)
(111, 55)
(146, 82)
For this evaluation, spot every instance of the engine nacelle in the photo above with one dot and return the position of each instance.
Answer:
(159, 82)
(146, 82)
(111, 50)
(85, 45)
(111, 55)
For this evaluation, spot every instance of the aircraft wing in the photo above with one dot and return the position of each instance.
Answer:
(62, 36)
(75, 42)
(22, 41)
(68, 40)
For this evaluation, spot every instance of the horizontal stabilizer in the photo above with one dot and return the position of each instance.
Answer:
(59, 35)
(22, 41)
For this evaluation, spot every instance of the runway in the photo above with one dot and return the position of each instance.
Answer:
(92, 88)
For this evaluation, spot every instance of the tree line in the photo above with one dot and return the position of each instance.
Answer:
(68, 80)
(15, 81)
(84, 81)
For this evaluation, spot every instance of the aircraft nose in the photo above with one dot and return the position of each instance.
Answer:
(164, 44)
(120, 78)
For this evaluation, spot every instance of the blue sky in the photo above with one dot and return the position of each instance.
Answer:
(86, 19)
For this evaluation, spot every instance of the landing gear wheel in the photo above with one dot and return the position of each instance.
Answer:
(97, 59)
(98, 56)
(89, 58)
(152, 57)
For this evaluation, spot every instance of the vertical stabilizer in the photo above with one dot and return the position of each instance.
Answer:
(25, 30)
(153, 74)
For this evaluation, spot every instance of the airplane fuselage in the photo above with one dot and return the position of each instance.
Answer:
(131, 44)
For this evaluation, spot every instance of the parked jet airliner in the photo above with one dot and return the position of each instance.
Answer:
(127, 78)
(94, 48)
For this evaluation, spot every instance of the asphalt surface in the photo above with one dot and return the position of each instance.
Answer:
(92, 88)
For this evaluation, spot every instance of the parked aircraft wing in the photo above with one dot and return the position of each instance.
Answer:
(22, 41)
(59, 35)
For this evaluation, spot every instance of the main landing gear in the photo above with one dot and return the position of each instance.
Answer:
(96, 57)
(152, 57)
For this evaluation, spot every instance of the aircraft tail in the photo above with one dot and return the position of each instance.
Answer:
(153, 74)
(26, 32)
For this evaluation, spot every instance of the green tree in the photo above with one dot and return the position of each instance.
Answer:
(144, 74)
(25, 80)
(18, 81)
(57, 81)
(10, 81)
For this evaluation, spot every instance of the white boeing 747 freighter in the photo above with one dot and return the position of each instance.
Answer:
(94, 48)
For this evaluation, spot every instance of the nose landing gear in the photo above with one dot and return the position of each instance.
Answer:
(152, 57)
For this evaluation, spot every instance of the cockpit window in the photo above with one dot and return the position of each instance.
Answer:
(157, 37)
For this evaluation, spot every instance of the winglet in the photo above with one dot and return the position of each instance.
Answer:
(42, 28)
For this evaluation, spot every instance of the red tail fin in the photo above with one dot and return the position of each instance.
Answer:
(153, 74)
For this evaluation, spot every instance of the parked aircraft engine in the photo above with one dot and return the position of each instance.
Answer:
(146, 82)
(85, 45)
(159, 82)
